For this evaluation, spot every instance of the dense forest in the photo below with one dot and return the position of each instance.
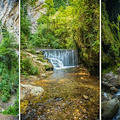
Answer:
(67, 24)
(9, 71)
(110, 33)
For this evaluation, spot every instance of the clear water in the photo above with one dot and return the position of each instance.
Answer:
(64, 96)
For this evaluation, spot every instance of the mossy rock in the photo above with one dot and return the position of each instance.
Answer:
(23, 106)
(48, 67)
(40, 56)
(41, 59)
(31, 51)
(39, 52)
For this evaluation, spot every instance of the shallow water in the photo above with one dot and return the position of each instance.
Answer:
(70, 94)
(117, 116)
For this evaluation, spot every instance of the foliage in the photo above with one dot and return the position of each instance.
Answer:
(13, 110)
(110, 39)
(86, 32)
(27, 66)
(9, 66)
(59, 3)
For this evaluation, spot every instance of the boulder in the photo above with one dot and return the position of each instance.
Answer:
(118, 71)
(111, 79)
(37, 91)
(109, 108)
(105, 96)
(113, 89)
(29, 89)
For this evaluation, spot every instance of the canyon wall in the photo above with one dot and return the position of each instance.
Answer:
(9, 16)
(34, 13)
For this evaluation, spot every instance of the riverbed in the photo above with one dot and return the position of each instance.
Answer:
(70, 94)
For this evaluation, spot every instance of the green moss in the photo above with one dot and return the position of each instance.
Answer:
(47, 67)
(31, 51)
(41, 59)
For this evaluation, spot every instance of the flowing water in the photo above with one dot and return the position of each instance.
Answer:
(61, 58)
(70, 94)
(117, 116)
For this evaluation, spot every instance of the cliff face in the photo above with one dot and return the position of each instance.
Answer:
(34, 13)
(9, 16)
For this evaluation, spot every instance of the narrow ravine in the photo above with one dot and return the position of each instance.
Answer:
(70, 94)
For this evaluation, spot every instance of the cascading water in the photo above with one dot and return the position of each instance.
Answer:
(56, 63)
(61, 58)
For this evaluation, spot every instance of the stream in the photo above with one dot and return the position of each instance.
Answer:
(70, 94)
(117, 116)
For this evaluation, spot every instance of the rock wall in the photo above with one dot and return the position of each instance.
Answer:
(9, 16)
(34, 13)
(111, 95)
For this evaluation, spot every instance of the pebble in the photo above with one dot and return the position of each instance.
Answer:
(81, 102)
(85, 97)
(58, 99)
(84, 110)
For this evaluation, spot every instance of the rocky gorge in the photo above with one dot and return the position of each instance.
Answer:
(9, 16)
(111, 95)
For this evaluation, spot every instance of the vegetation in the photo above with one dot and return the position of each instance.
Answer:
(27, 67)
(9, 69)
(67, 24)
(110, 34)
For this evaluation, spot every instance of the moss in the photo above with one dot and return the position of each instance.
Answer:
(31, 51)
(113, 69)
(47, 66)
(41, 59)
(23, 106)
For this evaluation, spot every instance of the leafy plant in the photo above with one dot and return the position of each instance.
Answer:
(9, 67)
(27, 67)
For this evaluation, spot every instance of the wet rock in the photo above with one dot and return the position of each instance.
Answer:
(109, 108)
(106, 84)
(118, 71)
(30, 89)
(43, 75)
(38, 52)
(113, 89)
(58, 99)
(84, 110)
(112, 79)
(85, 97)
(37, 91)
(106, 96)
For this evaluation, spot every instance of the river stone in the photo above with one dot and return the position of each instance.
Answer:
(105, 96)
(118, 71)
(109, 108)
(38, 52)
(26, 89)
(85, 97)
(112, 79)
(114, 89)
(37, 91)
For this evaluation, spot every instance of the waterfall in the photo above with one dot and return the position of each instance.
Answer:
(61, 58)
